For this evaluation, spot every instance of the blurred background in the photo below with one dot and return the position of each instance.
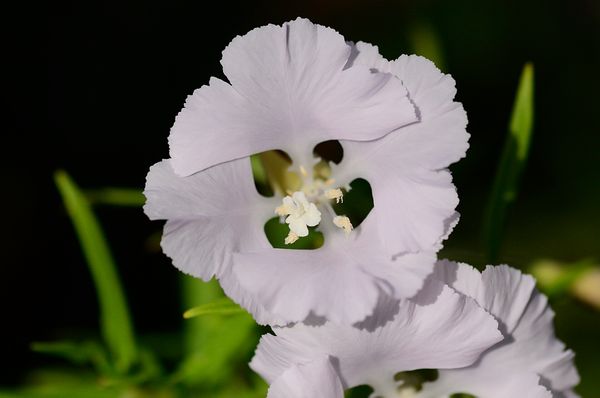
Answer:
(94, 90)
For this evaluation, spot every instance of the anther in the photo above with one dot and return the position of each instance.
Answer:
(282, 210)
(344, 223)
(291, 238)
(335, 194)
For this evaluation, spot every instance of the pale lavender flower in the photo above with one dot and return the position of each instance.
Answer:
(407, 169)
(449, 332)
(292, 87)
(530, 361)
(215, 220)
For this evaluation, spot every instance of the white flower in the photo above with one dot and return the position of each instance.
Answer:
(407, 169)
(530, 362)
(215, 225)
(452, 331)
(300, 213)
(292, 87)
(311, 380)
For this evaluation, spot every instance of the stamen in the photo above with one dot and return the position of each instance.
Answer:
(344, 223)
(291, 238)
(335, 194)
(282, 210)
(300, 213)
(303, 171)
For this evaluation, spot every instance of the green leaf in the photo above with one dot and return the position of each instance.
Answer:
(223, 306)
(76, 352)
(514, 156)
(115, 322)
(555, 278)
(116, 197)
(214, 344)
(258, 170)
(276, 166)
(277, 231)
(425, 42)
(59, 383)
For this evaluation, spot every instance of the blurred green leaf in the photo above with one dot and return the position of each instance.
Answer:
(277, 231)
(60, 383)
(116, 197)
(61, 392)
(581, 279)
(223, 306)
(258, 170)
(76, 352)
(115, 322)
(275, 166)
(425, 42)
(213, 344)
(512, 163)
(555, 278)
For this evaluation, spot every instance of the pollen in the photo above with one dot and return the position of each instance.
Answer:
(291, 238)
(344, 223)
(301, 214)
(303, 172)
(335, 194)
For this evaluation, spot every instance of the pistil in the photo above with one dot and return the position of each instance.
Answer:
(301, 208)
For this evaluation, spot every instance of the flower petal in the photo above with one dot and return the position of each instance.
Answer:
(295, 283)
(340, 281)
(406, 164)
(525, 319)
(290, 89)
(416, 210)
(451, 332)
(486, 386)
(210, 215)
(315, 379)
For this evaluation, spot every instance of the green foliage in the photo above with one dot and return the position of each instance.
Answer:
(115, 322)
(87, 352)
(514, 156)
(258, 170)
(116, 197)
(358, 202)
(425, 42)
(223, 306)
(217, 333)
(213, 343)
(277, 231)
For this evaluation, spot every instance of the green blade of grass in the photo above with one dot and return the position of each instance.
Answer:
(213, 344)
(222, 306)
(425, 42)
(514, 156)
(116, 197)
(115, 322)
(76, 352)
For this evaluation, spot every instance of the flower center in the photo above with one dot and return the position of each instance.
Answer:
(309, 205)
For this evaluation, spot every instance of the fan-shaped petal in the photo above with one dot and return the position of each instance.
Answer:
(210, 215)
(314, 379)
(486, 386)
(340, 281)
(451, 332)
(291, 88)
(405, 167)
(530, 346)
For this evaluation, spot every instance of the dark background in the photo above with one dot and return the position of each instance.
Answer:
(93, 88)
